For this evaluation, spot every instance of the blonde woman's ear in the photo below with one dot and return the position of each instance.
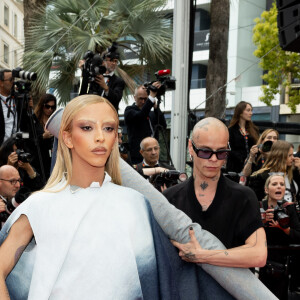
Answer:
(67, 138)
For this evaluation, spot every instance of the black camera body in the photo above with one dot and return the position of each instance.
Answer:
(168, 178)
(26, 75)
(266, 146)
(168, 83)
(23, 156)
(19, 142)
(281, 215)
(93, 65)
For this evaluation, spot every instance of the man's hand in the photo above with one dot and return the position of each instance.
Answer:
(12, 158)
(100, 80)
(2, 206)
(156, 84)
(191, 251)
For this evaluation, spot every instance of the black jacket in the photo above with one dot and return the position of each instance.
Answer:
(138, 126)
(20, 117)
(238, 153)
(116, 86)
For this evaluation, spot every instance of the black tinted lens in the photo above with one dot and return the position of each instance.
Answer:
(222, 155)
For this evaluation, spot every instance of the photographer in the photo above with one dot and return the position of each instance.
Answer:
(11, 155)
(141, 121)
(9, 187)
(259, 152)
(107, 85)
(151, 167)
(10, 108)
(282, 227)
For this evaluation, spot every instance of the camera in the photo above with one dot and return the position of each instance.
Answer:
(281, 215)
(3, 217)
(168, 83)
(169, 178)
(23, 87)
(26, 75)
(93, 65)
(19, 142)
(23, 156)
(266, 146)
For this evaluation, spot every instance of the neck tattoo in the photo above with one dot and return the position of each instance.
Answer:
(203, 185)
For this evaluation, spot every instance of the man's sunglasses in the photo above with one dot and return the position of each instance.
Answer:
(207, 153)
(47, 106)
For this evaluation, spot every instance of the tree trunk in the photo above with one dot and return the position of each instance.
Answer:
(30, 6)
(217, 64)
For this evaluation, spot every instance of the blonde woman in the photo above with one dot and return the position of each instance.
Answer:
(257, 156)
(280, 159)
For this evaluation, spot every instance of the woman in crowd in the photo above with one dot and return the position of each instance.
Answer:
(280, 231)
(257, 156)
(43, 110)
(243, 134)
(280, 159)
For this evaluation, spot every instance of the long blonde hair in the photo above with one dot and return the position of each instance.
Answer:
(63, 165)
(276, 161)
(262, 137)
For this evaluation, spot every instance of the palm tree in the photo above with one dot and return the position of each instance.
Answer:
(59, 37)
(30, 7)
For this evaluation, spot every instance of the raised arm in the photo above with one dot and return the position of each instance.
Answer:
(12, 248)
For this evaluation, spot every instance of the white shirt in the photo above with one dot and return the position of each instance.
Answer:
(9, 123)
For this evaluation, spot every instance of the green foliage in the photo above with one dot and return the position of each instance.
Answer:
(279, 65)
(59, 37)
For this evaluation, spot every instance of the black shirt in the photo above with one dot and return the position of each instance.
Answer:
(232, 216)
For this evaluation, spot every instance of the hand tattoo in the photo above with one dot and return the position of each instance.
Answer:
(226, 253)
(204, 185)
(190, 256)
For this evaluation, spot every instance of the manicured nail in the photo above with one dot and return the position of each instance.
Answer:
(191, 228)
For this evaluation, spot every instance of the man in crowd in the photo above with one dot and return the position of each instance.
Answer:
(224, 208)
(107, 85)
(150, 152)
(141, 122)
(10, 108)
(151, 168)
(8, 112)
(9, 186)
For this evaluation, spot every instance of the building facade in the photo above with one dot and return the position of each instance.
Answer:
(11, 33)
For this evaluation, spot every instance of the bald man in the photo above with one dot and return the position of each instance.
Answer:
(9, 186)
(224, 208)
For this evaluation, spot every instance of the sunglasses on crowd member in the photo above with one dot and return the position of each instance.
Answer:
(12, 181)
(208, 153)
(47, 106)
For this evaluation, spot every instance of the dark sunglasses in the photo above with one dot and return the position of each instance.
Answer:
(47, 106)
(207, 153)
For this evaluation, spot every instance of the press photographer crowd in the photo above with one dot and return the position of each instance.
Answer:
(244, 185)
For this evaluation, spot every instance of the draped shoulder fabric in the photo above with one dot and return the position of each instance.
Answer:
(101, 243)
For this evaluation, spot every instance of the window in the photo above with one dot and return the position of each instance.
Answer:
(15, 25)
(202, 20)
(198, 76)
(15, 58)
(6, 15)
(6, 53)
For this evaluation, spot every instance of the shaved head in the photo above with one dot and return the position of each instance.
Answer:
(208, 124)
(7, 169)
